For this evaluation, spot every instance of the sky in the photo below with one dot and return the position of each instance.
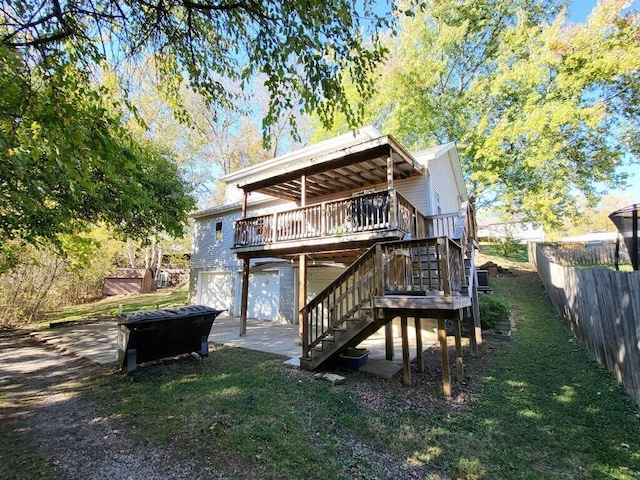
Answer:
(578, 12)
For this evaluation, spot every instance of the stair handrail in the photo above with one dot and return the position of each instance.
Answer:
(369, 278)
(309, 340)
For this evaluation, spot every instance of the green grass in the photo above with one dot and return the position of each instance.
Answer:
(517, 252)
(547, 410)
(110, 306)
(540, 408)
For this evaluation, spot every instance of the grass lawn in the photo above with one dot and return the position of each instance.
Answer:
(535, 407)
(110, 306)
(540, 408)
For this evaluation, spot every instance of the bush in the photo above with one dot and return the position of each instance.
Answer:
(492, 309)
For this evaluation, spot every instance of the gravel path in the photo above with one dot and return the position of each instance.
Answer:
(40, 401)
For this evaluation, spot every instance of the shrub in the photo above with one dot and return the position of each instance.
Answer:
(492, 309)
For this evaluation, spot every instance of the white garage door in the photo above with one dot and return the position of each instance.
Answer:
(264, 295)
(216, 291)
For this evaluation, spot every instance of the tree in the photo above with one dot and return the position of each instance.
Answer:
(67, 162)
(594, 219)
(540, 109)
(213, 142)
(302, 48)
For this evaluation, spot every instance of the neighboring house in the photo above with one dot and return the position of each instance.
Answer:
(295, 241)
(128, 280)
(521, 231)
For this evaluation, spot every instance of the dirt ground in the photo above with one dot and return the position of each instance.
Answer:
(39, 390)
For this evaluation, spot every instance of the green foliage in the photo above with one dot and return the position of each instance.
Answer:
(67, 162)
(40, 280)
(508, 246)
(492, 309)
(516, 252)
(299, 50)
(540, 108)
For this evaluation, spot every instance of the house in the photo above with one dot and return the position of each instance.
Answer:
(128, 280)
(521, 231)
(341, 238)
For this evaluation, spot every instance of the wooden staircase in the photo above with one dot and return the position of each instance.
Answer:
(343, 314)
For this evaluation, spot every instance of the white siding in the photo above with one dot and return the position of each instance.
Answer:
(210, 253)
(414, 189)
(318, 278)
(443, 185)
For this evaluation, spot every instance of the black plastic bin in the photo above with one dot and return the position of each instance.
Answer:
(154, 334)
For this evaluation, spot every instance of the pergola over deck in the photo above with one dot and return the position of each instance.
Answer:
(311, 173)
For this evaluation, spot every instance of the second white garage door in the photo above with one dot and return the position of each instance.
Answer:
(264, 296)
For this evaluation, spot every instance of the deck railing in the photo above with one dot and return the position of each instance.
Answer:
(363, 213)
(429, 266)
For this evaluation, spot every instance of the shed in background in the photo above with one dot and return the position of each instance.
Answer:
(128, 280)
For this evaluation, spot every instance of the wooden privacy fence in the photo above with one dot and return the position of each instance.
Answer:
(581, 253)
(602, 308)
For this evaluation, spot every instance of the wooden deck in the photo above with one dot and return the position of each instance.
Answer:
(354, 222)
(421, 305)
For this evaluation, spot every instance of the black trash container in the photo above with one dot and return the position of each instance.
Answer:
(154, 334)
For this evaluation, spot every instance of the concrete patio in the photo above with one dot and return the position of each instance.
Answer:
(98, 342)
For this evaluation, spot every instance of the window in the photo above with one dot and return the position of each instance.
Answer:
(218, 231)
(438, 206)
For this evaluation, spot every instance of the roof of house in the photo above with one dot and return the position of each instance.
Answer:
(352, 161)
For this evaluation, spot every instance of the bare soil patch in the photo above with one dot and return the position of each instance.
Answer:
(42, 405)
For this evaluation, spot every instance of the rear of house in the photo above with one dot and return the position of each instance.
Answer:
(435, 187)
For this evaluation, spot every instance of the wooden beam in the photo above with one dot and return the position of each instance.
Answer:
(244, 204)
(419, 348)
(390, 172)
(244, 301)
(406, 361)
(388, 340)
(457, 331)
(475, 309)
(442, 337)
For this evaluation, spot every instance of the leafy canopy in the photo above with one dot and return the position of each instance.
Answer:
(541, 109)
(301, 48)
(67, 162)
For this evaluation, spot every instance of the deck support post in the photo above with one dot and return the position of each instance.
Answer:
(419, 349)
(475, 314)
(406, 361)
(244, 300)
(442, 337)
(302, 294)
(388, 340)
(471, 328)
(457, 330)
